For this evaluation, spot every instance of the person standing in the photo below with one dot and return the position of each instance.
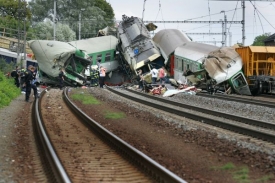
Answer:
(61, 78)
(154, 73)
(162, 75)
(102, 74)
(33, 83)
(27, 82)
(22, 79)
(140, 79)
(15, 75)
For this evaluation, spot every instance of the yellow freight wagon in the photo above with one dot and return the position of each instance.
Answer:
(259, 67)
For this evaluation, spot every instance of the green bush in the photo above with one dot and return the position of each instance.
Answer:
(8, 90)
(5, 67)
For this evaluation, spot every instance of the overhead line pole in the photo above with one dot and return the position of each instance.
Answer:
(18, 36)
(243, 23)
(54, 19)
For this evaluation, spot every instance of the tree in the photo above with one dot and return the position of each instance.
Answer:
(14, 9)
(11, 13)
(259, 40)
(44, 30)
(95, 14)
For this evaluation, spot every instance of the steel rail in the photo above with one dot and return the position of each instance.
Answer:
(242, 130)
(238, 99)
(57, 171)
(244, 120)
(156, 170)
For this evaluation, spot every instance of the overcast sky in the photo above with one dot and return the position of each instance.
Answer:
(256, 22)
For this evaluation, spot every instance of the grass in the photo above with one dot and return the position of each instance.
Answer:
(8, 90)
(265, 178)
(85, 99)
(227, 166)
(241, 174)
(114, 115)
(88, 99)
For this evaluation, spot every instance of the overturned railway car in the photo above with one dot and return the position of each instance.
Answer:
(53, 55)
(203, 65)
(76, 57)
(136, 46)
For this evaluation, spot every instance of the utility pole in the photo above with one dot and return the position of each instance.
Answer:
(243, 22)
(18, 33)
(224, 29)
(25, 15)
(79, 24)
(54, 19)
(223, 43)
(230, 38)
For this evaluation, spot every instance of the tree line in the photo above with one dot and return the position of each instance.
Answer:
(37, 18)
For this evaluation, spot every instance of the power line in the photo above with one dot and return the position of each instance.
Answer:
(262, 15)
(210, 15)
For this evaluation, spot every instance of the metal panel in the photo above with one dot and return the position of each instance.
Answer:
(168, 40)
(194, 51)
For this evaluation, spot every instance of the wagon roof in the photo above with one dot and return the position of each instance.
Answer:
(169, 39)
(261, 49)
(97, 44)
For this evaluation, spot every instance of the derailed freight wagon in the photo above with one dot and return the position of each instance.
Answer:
(259, 68)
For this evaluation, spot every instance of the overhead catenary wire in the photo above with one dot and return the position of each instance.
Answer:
(233, 15)
(261, 14)
(259, 20)
(211, 14)
(162, 18)
(255, 21)
(142, 15)
(158, 10)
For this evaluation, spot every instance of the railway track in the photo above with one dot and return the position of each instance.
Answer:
(78, 149)
(247, 126)
(241, 99)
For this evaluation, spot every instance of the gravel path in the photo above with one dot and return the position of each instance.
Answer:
(8, 119)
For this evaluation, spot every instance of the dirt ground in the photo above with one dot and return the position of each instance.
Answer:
(196, 155)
